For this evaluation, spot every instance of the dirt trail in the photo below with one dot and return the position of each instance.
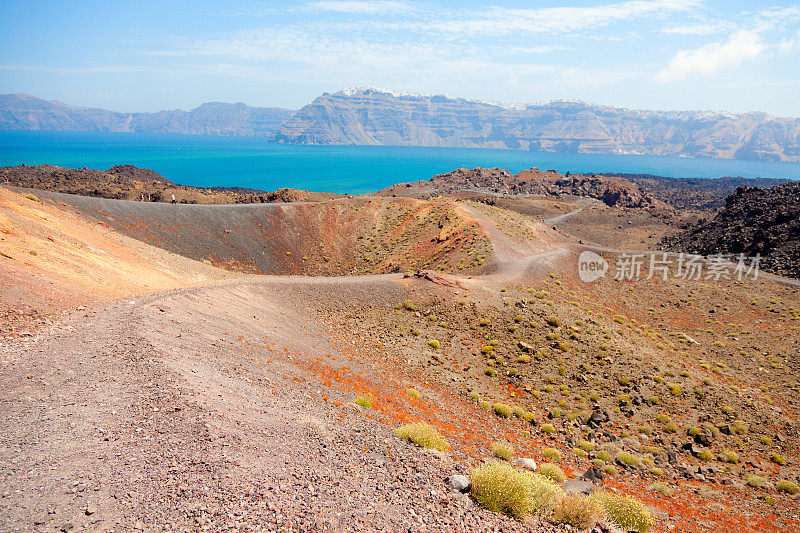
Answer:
(190, 410)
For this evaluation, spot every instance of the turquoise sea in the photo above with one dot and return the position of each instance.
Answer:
(255, 163)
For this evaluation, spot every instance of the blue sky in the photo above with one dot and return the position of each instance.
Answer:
(649, 54)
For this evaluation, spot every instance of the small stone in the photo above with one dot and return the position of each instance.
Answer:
(90, 509)
(593, 475)
(458, 482)
(66, 527)
(524, 462)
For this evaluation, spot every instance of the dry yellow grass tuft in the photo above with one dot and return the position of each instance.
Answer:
(502, 450)
(628, 513)
(423, 435)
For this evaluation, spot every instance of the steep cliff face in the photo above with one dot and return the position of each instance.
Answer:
(372, 116)
(23, 112)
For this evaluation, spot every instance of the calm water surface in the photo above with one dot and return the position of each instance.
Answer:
(255, 163)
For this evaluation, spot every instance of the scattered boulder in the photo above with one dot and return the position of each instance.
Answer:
(594, 475)
(458, 482)
(523, 462)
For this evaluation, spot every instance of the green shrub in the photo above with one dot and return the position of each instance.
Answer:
(519, 412)
(661, 418)
(628, 459)
(777, 459)
(552, 472)
(547, 429)
(611, 470)
(705, 455)
(603, 455)
(730, 456)
(501, 489)
(645, 429)
(409, 305)
(363, 401)
(576, 510)
(552, 454)
(766, 441)
(544, 493)
(789, 487)
(502, 450)
(490, 372)
(433, 343)
(414, 393)
(755, 481)
(675, 389)
(30, 196)
(585, 445)
(484, 404)
(423, 435)
(501, 409)
(628, 513)
(664, 489)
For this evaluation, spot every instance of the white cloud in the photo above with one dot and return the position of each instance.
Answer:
(695, 29)
(371, 7)
(500, 20)
(714, 57)
(791, 44)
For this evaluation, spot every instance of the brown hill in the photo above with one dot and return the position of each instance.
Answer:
(127, 182)
(611, 190)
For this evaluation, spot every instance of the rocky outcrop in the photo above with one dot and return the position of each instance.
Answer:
(22, 112)
(370, 116)
(127, 182)
(611, 190)
(754, 221)
(695, 193)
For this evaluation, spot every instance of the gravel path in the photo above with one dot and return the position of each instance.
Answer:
(187, 411)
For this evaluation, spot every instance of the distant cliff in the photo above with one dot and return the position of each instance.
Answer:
(23, 112)
(374, 117)
(369, 116)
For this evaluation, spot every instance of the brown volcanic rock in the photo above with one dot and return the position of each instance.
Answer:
(611, 190)
(753, 221)
(127, 182)
(695, 193)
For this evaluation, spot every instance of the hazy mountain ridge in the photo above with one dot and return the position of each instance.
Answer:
(371, 116)
(22, 112)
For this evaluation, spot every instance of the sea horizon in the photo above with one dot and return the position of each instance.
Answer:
(257, 163)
